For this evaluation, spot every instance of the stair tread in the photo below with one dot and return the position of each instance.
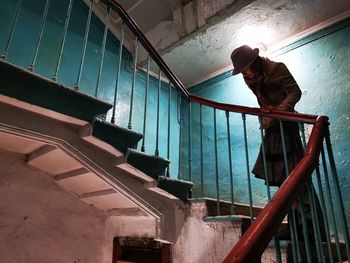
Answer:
(151, 165)
(119, 137)
(24, 85)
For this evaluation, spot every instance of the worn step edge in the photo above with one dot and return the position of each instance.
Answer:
(137, 174)
(151, 165)
(114, 154)
(119, 137)
(53, 96)
(77, 125)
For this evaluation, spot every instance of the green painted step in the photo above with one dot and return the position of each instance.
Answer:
(26, 86)
(120, 138)
(153, 166)
(180, 188)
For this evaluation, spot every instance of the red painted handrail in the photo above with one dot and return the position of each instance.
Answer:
(147, 45)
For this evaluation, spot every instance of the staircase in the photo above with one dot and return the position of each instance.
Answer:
(67, 134)
(71, 149)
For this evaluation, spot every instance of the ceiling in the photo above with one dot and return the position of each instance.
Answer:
(261, 23)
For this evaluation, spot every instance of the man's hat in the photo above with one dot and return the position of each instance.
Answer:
(242, 57)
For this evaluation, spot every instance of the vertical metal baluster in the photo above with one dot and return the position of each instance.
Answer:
(324, 214)
(263, 151)
(42, 27)
(230, 162)
(121, 43)
(189, 141)
(247, 165)
(156, 153)
(145, 107)
(338, 193)
(329, 199)
(305, 229)
(105, 34)
(179, 120)
(3, 55)
(201, 147)
(293, 226)
(86, 36)
(63, 41)
(168, 150)
(133, 84)
(216, 167)
(316, 224)
(314, 212)
(302, 130)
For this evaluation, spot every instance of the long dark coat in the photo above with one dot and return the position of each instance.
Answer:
(276, 87)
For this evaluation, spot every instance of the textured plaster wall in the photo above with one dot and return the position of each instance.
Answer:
(26, 31)
(209, 242)
(40, 222)
(322, 70)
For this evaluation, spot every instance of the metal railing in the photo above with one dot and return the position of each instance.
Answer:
(297, 187)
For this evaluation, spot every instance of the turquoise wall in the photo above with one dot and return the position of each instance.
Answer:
(22, 50)
(321, 66)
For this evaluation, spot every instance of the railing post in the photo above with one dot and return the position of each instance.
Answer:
(316, 223)
(121, 44)
(230, 162)
(145, 106)
(41, 31)
(105, 34)
(201, 147)
(136, 49)
(3, 55)
(305, 229)
(189, 141)
(156, 153)
(216, 166)
(65, 29)
(169, 122)
(324, 214)
(86, 36)
(338, 192)
(328, 194)
(179, 120)
(247, 166)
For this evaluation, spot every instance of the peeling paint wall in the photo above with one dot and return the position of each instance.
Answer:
(209, 242)
(321, 68)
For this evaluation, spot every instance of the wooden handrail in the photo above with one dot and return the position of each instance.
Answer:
(147, 45)
(254, 241)
(282, 115)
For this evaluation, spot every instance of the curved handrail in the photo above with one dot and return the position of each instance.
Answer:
(254, 241)
(147, 45)
(282, 115)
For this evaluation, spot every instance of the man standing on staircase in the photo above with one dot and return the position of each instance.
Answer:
(275, 89)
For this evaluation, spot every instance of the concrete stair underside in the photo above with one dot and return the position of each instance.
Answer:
(86, 166)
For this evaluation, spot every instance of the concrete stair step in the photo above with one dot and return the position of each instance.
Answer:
(153, 166)
(26, 86)
(120, 138)
(179, 188)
